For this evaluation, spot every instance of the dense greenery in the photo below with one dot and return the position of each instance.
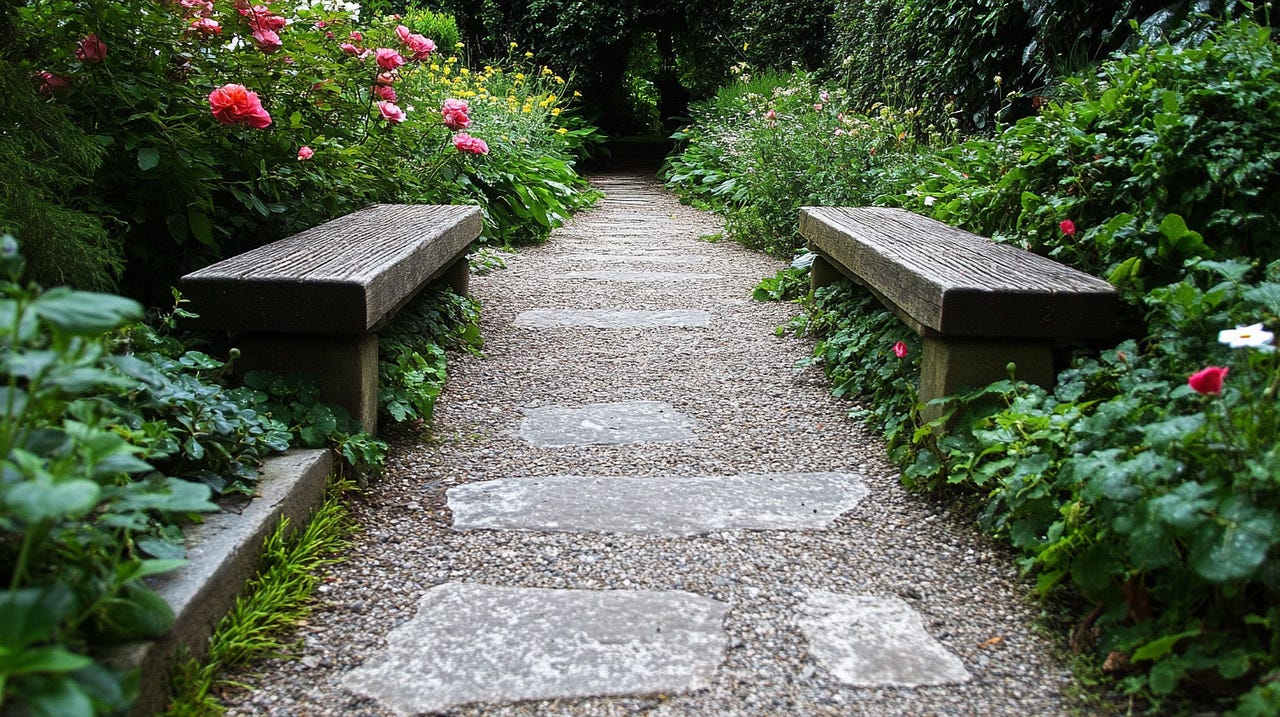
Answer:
(118, 139)
(1139, 485)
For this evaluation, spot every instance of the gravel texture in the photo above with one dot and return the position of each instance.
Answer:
(756, 413)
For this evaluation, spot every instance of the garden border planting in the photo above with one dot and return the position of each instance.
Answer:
(312, 302)
(977, 304)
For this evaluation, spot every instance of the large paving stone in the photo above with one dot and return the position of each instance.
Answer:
(656, 505)
(613, 318)
(870, 641)
(605, 424)
(476, 643)
(628, 275)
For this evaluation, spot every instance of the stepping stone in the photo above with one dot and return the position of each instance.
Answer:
(626, 258)
(606, 424)
(638, 276)
(656, 505)
(475, 643)
(613, 318)
(869, 641)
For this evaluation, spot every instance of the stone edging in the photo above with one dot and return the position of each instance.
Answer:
(223, 554)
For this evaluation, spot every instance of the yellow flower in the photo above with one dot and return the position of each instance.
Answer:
(555, 112)
(519, 75)
(514, 46)
(528, 54)
(452, 60)
(559, 80)
(546, 71)
(562, 130)
(459, 45)
(577, 93)
(745, 45)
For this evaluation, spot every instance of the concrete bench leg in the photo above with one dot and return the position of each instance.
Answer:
(458, 275)
(346, 368)
(948, 366)
(822, 273)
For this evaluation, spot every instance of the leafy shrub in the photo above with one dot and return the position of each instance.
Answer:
(411, 350)
(178, 188)
(769, 144)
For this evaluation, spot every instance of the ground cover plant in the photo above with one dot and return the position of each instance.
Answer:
(1141, 490)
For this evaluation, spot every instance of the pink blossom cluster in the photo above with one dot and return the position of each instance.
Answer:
(420, 46)
(265, 25)
(456, 114)
(465, 143)
(235, 104)
(91, 49)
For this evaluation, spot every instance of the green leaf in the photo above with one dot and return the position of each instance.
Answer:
(201, 227)
(1232, 553)
(1158, 648)
(148, 158)
(85, 313)
(58, 697)
(43, 659)
(1267, 294)
(28, 615)
(135, 614)
(42, 498)
(1165, 675)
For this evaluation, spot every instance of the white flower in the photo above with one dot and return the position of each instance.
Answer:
(1247, 337)
(930, 201)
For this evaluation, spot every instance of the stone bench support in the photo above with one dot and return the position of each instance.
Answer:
(313, 302)
(978, 305)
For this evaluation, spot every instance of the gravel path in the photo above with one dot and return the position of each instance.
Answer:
(754, 414)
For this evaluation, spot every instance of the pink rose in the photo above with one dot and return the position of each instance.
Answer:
(356, 37)
(391, 113)
(205, 26)
(91, 49)
(385, 78)
(421, 46)
(349, 48)
(201, 8)
(384, 92)
(234, 104)
(50, 82)
(1208, 380)
(267, 40)
(388, 59)
(1068, 227)
(464, 142)
(455, 114)
(305, 153)
(900, 349)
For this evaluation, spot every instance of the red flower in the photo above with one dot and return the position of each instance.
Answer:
(1208, 380)
(233, 104)
(900, 350)
(91, 49)
(50, 82)
(1068, 227)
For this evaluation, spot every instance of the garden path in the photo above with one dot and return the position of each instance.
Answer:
(635, 503)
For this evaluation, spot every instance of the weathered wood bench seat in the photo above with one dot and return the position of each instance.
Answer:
(979, 305)
(312, 302)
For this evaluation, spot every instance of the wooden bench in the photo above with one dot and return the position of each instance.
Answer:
(979, 305)
(312, 302)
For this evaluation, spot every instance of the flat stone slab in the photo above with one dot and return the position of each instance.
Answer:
(869, 641)
(614, 318)
(605, 424)
(625, 275)
(641, 258)
(656, 505)
(476, 643)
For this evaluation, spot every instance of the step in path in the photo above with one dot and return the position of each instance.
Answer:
(634, 503)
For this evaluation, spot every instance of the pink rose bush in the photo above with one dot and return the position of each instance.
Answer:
(234, 104)
(420, 47)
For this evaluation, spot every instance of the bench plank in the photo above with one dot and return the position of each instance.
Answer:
(346, 276)
(954, 283)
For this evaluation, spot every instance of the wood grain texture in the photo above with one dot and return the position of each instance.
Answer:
(955, 283)
(345, 276)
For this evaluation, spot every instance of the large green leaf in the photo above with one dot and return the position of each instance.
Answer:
(28, 615)
(85, 313)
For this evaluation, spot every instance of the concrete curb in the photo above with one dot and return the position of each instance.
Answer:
(223, 554)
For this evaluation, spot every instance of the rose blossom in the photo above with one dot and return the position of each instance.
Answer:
(267, 40)
(421, 46)
(388, 59)
(234, 104)
(455, 113)
(384, 92)
(50, 82)
(1068, 227)
(900, 349)
(91, 49)
(471, 145)
(305, 153)
(1208, 380)
(391, 113)
(205, 26)
(349, 48)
